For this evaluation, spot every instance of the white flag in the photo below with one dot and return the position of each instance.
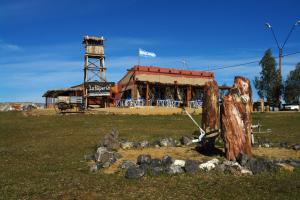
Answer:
(146, 53)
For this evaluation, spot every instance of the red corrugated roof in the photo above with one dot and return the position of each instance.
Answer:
(171, 71)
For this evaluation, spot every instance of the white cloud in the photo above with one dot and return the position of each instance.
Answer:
(7, 47)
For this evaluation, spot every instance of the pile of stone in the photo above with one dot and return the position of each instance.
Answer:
(106, 153)
(287, 146)
(164, 142)
(243, 166)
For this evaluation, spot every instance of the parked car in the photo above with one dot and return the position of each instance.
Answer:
(291, 107)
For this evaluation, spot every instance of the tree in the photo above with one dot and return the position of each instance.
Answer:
(269, 84)
(292, 86)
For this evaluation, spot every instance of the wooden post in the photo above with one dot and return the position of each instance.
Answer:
(210, 113)
(147, 93)
(189, 94)
(237, 119)
(262, 105)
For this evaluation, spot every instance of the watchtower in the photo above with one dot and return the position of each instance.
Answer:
(94, 67)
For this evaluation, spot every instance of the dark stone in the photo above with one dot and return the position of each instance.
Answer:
(296, 147)
(134, 172)
(111, 140)
(294, 163)
(166, 161)
(144, 159)
(126, 164)
(155, 163)
(146, 167)
(185, 140)
(260, 165)
(155, 143)
(156, 171)
(191, 166)
(284, 144)
(242, 159)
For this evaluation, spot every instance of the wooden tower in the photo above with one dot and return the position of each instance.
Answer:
(94, 67)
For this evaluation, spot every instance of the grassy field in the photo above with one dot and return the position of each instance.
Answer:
(42, 158)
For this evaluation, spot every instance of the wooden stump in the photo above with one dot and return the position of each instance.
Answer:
(237, 119)
(210, 113)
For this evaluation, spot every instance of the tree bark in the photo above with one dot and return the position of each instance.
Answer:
(237, 119)
(210, 113)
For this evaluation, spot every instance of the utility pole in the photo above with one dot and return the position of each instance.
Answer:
(280, 47)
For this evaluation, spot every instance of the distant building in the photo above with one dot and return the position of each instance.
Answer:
(154, 85)
(142, 86)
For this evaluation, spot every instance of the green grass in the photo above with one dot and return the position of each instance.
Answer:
(42, 158)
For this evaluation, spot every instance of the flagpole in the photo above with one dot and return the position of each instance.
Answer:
(139, 59)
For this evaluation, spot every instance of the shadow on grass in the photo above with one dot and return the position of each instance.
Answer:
(209, 151)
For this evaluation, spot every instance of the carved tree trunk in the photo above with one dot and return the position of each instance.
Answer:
(237, 119)
(210, 113)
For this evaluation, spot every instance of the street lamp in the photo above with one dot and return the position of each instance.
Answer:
(269, 26)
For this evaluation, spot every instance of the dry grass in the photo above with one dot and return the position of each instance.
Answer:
(42, 157)
(122, 111)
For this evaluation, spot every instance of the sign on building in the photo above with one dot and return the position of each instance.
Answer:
(99, 89)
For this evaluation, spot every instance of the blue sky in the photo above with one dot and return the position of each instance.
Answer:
(40, 40)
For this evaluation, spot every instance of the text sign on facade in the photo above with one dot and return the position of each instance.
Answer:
(99, 89)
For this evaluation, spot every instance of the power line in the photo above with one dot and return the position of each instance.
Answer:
(251, 62)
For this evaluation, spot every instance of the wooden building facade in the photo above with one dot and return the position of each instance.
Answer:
(156, 83)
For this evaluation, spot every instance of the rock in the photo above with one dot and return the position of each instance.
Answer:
(144, 143)
(166, 142)
(242, 159)
(144, 159)
(174, 169)
(191, 166)
(177, 143)
(134, 172)
(156, 171)
(185, 140)
(294, 163)
(166, 161)
(296, 147)
(155, 163)
(127, 145)
(180, 163)
(220, 168)
(260, 165)
(246, 171)
(284, 144)
(100, 151)
(146, 167)
(104, 157)
(286, 167)
(126, 164)
(267, 145)
(111, 140)
(156, 144)
(209, 165)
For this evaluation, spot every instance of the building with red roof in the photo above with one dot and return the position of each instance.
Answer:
(155, 83)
